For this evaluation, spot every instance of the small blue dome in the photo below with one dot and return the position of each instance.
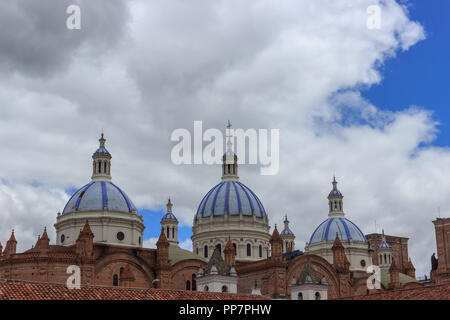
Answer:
(169, 216)
(230, 197)
(335, 192)
(345, 229)
(102, 150)
(384, 245)
(287, 232)
(95, 196)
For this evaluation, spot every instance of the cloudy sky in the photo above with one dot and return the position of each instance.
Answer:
(359, 103)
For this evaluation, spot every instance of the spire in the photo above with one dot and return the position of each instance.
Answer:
(12, 238)
(102, 141)
(86, 229)
(169, 206)
(383, 237)
(169, 224)
(275, 234)
(101, 166)
(286, 223)
(337, 244)
(162, 240)
(229, 159)
(229, 253)
(45, 235)
(11, 244)
(340, 261)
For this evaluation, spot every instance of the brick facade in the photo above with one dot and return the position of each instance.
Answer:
(442, 230)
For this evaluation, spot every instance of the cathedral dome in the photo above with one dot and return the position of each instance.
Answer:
(99, 196)
(344, 228)
(230, 198)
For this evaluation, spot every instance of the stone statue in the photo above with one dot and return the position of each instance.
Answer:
(434, 262)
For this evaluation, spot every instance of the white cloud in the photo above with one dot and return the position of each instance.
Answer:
(150, 243)
(296, 65)
(186, 244)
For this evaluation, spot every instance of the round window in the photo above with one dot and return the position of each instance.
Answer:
(120, 235)
(63, 237)
(363, 263)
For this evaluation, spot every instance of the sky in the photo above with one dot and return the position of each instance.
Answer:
(366, 105)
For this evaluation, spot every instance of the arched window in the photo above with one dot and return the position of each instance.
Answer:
(249, 250)
(99, 167)
(385, 260)
(196, 250)
(140, 240)
(205, 251)
(219, 246)
(260, 251)
(300, 296)
(381, 259)
(194, 283)
(104, 168)
(168, 232)
(317, 296)
(335, 204)
(235, 249)
(121, 271)
(115, 280)
(224, 289)
(173, 233)
(188, 285)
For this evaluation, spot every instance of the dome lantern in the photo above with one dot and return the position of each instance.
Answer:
(335, 203)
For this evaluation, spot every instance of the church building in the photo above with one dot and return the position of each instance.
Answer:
(101, 231)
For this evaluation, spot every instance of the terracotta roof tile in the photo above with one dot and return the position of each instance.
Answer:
(429, 292)
(20, 290)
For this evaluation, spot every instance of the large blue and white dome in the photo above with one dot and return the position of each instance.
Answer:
(99, 196)
(345, 229)
(230, 198)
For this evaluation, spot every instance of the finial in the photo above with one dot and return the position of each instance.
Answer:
(169, 206)
(334, 183)
(102, 140)
(229, 153)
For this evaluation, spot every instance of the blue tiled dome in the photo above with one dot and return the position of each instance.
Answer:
(95, 196)
(230, 197)
(345, 229)
(384, 245)
(335, 192)
(102, 150)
